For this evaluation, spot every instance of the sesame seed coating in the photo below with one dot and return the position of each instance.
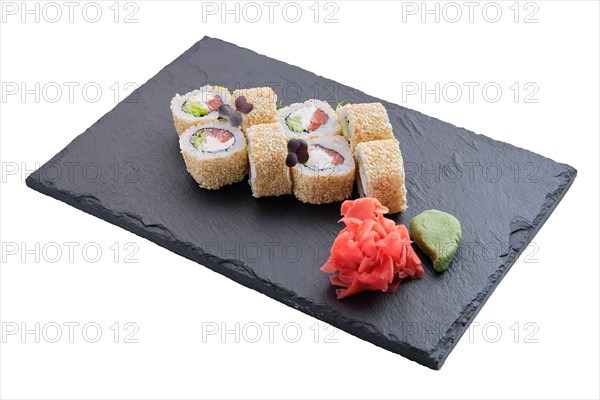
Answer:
(214, 170)
(368, 121)
(213, 173)
(322, 187)
(382, 164)
(267, 153)
(264, 101)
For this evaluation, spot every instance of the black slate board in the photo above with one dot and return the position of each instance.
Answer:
(132, 175)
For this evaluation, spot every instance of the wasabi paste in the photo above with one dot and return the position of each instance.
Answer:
(438, 234)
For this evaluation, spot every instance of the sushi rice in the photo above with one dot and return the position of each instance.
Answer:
(311, 119)
(328, 175)
(197, 106)
(214, 153)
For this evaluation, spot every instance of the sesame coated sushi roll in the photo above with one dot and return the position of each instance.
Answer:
(264, 102)
(197, 106)
(214, 153)
(311, 119)
(364, 122)
(381, 173)
(267, 151)
(328, 175)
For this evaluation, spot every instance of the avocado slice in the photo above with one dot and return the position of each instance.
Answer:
(346, 127)
(294, 122)
(195, 108)
(198, 139)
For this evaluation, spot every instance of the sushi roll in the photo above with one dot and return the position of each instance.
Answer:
(267, 151)
(311, 119)
(381, 173)
(214, 153)
(328, 175)
(264, 106)
(364, 122)
(197, 106)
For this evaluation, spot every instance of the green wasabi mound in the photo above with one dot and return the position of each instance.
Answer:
(438, 234)
(195, 108)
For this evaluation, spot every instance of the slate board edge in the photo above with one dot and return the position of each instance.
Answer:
(234, 270)
(458, 328)
(240, 273)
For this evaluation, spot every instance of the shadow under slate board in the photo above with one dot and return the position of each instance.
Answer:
(501, 194)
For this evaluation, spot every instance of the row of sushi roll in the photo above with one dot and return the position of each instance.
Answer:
(307, 149)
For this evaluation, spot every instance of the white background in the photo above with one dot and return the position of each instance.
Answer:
(374, 47)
